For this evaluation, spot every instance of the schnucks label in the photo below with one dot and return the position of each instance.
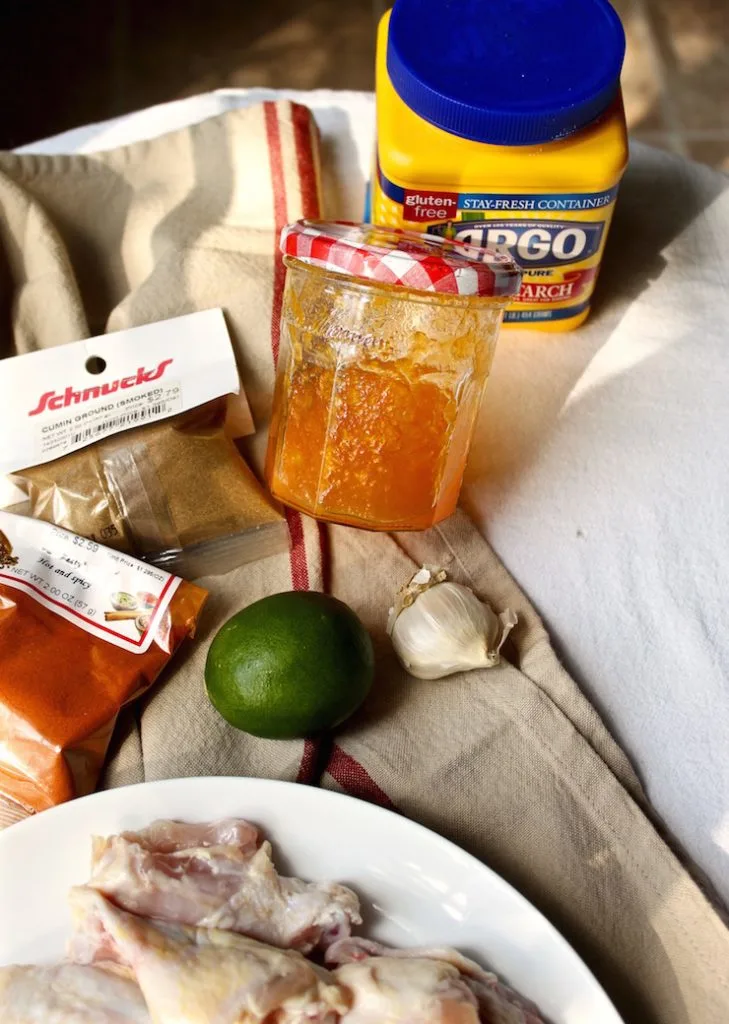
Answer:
(556, 238)
(106, 593)
(61, 399)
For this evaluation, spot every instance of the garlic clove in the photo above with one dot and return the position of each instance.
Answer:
(423, 579)
(439, 627)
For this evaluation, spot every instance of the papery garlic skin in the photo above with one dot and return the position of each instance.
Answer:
(439, 628)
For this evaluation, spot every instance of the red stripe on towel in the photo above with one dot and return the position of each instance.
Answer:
(299, 567)
(355, 779)
(303, 127)
(308, 762)
(297, 549)
(311, 207)
(280, 216)
(326, 559)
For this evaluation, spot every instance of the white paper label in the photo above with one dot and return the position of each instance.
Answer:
(144, 405)
(61, 399)
(109, 594)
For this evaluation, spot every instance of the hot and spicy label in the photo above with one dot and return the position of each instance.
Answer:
(108, 594)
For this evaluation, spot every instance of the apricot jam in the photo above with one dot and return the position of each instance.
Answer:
(379, 384)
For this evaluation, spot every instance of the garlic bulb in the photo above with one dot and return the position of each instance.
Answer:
(438, 628)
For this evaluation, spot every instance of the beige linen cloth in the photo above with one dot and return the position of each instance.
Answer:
(511, 763)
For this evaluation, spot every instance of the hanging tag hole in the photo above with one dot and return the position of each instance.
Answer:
(95, 364)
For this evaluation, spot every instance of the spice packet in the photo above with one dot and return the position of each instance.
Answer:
(83, 630)
(122, 439)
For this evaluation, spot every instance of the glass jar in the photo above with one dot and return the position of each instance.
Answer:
(379, 382)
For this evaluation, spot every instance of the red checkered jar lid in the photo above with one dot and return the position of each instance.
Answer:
(408, 259)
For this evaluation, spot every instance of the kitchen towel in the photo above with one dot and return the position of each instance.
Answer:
(590, 453)
(512, 763)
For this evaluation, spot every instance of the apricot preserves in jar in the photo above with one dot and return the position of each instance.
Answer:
(387, 340)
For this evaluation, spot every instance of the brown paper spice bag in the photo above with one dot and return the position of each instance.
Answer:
(176, 493)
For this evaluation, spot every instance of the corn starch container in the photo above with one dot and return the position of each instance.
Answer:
(502, 124)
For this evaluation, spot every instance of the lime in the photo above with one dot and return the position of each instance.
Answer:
(290, 665)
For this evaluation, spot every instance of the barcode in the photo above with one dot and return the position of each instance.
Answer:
(129, 419)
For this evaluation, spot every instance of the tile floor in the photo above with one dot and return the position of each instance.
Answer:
(104, 59)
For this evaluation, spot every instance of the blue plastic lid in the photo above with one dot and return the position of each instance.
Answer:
(507, 72)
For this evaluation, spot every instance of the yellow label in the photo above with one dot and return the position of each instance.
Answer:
(556, 238)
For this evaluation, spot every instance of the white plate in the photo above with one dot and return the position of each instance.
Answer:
(417, 888)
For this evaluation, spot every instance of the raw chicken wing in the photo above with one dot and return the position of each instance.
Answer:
(497, 1003)
(218, 876)
(202, 975)
(69, 994)
(389, 990)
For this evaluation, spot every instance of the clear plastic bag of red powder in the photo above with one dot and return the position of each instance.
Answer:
(83, 630)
